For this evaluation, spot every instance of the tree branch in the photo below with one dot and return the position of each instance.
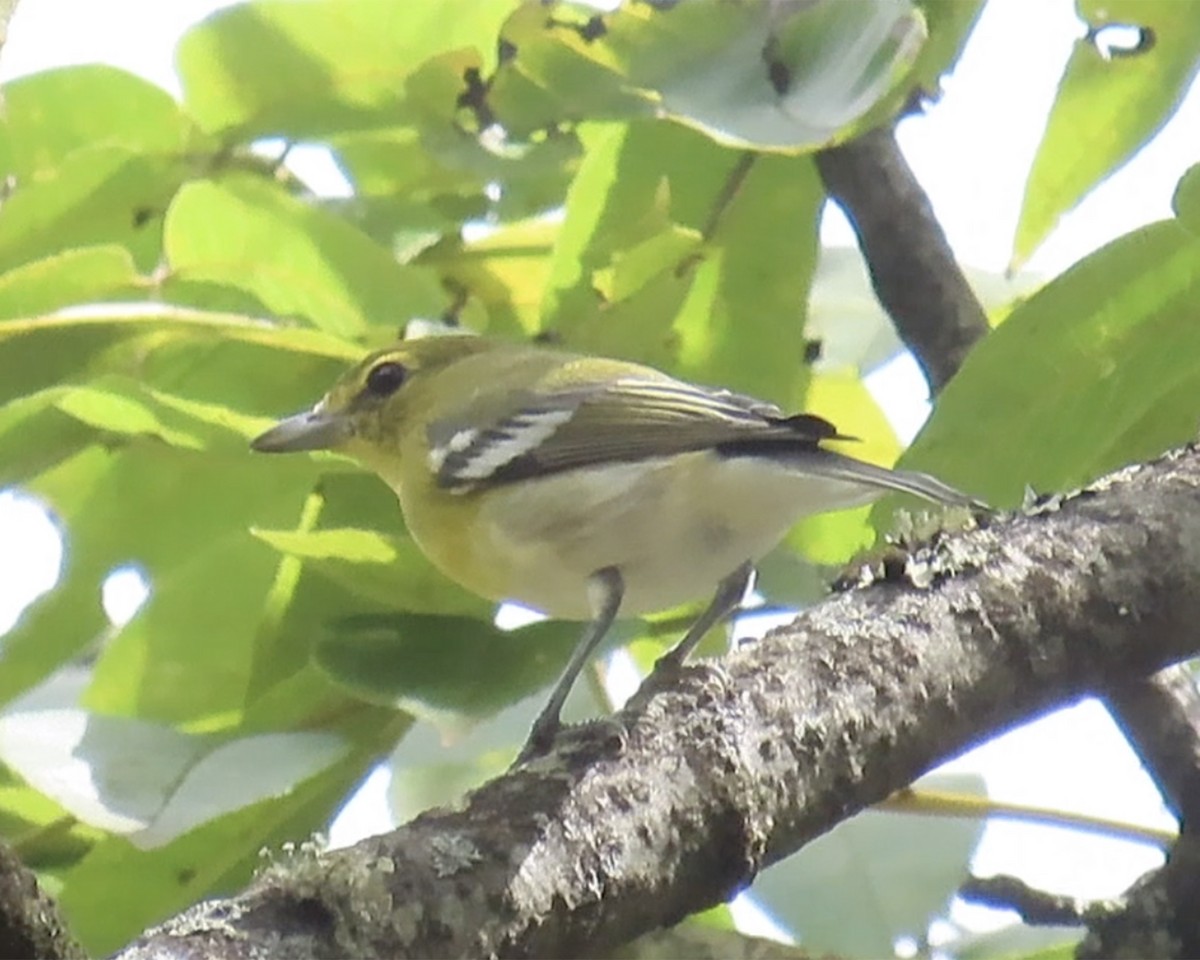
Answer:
(739, 762)
(912, 267)
(1160, 716)
(937, 315)
(1158, 917)
(30, 924)
(1035, 907)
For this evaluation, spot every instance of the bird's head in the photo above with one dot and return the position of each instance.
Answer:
(365, 412)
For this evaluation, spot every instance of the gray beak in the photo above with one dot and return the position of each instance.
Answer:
(313, 430)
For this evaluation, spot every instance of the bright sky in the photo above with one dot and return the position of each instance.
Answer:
(972, 153)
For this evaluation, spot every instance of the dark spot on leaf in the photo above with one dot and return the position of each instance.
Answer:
(185, 876)
(547, 336)
(506, 50)
(594, 29)
(779, 76)
(459, 295)
(590, 30)
(474, 98)
(687, 263)
(143, 215)
(1116, 40)
(813, 350)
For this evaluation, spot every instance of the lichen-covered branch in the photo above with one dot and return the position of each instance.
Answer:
(740, 761)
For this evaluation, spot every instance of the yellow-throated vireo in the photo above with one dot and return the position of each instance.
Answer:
(584, 487)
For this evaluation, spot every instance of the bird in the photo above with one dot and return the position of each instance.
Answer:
(587, 488)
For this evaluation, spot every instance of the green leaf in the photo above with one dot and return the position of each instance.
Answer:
(183, 518)
(311, 69)
(49, 115)
(40, 831)
(83, 762)
(388, 570)
(1097, 369)
(216, 784)
(749, 333)
(100, 194)
(458, 174)
(899, 871)
(1107, 107)
(218, 857)
(1018, 942)
(61, 623)
(1186, 202)
(178, 782)
(444, 663)
(749, 75)
(122, 411)
(505, 274)
(949, 24)
(670, 225)
(229, 359)
(85, 274)
(34, 436)
(296, 259)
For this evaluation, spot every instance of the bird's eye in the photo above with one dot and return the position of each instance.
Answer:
(386, 378)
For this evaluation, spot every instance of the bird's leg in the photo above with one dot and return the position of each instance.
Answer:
(727, 599)
(605, 589)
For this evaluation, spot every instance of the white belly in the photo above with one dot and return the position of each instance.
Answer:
(673, 528)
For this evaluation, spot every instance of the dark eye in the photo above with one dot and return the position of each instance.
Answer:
(386, 378)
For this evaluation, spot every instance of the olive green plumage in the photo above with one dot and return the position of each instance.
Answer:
(581, 486)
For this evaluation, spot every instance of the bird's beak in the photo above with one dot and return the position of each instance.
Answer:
(313, 430)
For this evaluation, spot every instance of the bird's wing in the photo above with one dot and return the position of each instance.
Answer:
(624, 420)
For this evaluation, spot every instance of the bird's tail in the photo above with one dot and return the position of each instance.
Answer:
(840, 467)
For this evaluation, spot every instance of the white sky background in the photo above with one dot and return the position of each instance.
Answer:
(971, 152)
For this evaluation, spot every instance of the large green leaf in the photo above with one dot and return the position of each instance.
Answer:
(80, 275)
(49, 115)
(296, 259)
(176, 781)
(1186, 202)
(60, 624)
(758, 75)
(99, 194)
(743, 323)
(182, 515)
(1099, 368)
(660, 258)
(894, 873)
(949, 23)
(442, 166)
(390, 570)
(218, 857)
(310, 69)
(454, 664)
(1107, 106)
(204, 367)
(40, 831)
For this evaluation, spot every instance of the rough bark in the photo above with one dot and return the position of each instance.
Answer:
(739, 762)
(30, 924)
